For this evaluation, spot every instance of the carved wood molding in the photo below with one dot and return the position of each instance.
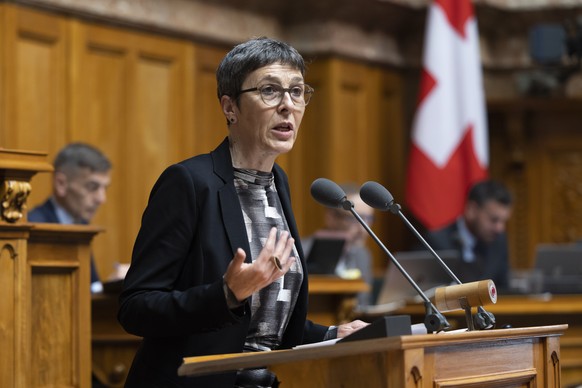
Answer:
(387, 31)
(13, 195)
(566, 202)
(11, 250)
(525, 378)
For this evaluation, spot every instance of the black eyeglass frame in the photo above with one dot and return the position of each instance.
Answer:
(307, 93)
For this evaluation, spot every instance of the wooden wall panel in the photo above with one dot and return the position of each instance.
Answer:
(34, 87)
(100, 98)
(386, 158)
(209, 122)
(133, 100)
(352, 131)
(160, 121)
(536, 149)
(334, 138)
(560, 181)
(311, 150)
(349, 125)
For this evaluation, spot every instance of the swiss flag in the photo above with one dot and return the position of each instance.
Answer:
(449, 149)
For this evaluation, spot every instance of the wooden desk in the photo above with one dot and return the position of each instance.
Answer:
(332, 300)
(524, 311)
(112, 347)
(526, 357)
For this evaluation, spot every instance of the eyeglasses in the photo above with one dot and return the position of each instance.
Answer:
(272, 94)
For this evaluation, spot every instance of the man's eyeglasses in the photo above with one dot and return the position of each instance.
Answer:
(272, 94)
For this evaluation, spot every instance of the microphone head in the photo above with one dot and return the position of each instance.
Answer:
(377, 196)
(328, 193)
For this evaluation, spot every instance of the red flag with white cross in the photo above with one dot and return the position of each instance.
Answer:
(449, 148)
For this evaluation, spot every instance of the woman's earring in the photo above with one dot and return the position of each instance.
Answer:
(232, 120)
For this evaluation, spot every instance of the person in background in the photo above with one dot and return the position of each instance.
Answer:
(479, 234)
(217, 266)
(356, 259)
(80, 181)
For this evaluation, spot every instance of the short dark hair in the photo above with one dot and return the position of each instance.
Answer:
(79, 155)
(249, 56)
(488, 190)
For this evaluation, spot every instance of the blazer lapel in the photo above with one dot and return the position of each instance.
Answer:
(231, 214)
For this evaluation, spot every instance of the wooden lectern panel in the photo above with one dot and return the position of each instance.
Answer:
(524, 311)
(11, 308)
(45, 314)
(526, 357)
(59, 260)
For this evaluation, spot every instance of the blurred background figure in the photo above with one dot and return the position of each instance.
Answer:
(80, 181)
(356, 259)
(480, 234)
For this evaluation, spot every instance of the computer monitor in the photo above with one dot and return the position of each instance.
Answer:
(324, 255)
(561, 266)
(423, 268)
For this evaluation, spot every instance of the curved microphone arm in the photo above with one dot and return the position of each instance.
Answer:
(378, 197)
(427, 245)
(434, 320)
(330, 194)
(483, 319)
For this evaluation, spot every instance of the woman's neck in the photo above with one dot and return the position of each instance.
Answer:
(249, 159)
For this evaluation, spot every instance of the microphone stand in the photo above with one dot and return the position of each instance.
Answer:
(483, 319)
(434, 321)
(395, 209)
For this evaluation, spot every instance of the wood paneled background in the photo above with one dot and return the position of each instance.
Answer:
(148, 100)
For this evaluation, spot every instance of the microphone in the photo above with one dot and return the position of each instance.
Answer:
(378, 197)
(330, 194)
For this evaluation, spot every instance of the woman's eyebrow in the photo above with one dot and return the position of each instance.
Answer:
(274, 78)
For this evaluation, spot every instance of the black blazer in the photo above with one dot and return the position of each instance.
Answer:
(491, 260)
(46, 213)
(173, 294)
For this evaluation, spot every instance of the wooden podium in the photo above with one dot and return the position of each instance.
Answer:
(525, 311)
(526, 357)
(45, 316)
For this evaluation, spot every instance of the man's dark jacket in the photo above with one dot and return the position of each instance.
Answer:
(491, 259)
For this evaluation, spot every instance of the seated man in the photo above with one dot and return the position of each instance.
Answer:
(80, 180)
(356, 260)
(479, 234)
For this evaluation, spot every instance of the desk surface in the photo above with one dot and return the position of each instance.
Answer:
(330, 284)
(543, 304)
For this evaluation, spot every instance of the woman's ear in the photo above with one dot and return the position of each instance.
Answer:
(229, 109)
(228, 105)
